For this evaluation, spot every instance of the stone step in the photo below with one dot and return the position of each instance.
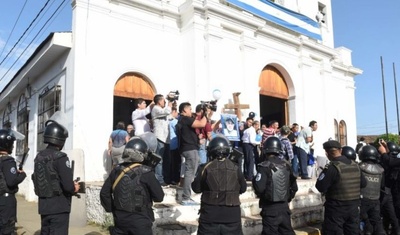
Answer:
(251, 225)
(174, 193)
(169, 211)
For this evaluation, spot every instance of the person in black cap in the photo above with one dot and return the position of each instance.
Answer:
(341, 182)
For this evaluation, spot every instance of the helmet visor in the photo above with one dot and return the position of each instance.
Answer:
(18, 135)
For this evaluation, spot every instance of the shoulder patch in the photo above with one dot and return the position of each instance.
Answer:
(13, 170)
(258, 177)
(68, 164)
(321, 176)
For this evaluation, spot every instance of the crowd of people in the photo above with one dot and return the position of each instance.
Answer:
(360, 187)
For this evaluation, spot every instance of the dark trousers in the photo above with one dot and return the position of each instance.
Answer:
(388, 213)
(371, 215)
(340, 220)
(175, 165)
(220, 229)
(55, 224)
(295, 162)
(276, 222)
(303, 161)
(131, 224)
(8, 214)
(396, 199)
(248, 161)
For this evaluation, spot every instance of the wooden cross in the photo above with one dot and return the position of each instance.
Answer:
(237, 106)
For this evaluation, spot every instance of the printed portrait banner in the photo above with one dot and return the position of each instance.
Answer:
(230, 126)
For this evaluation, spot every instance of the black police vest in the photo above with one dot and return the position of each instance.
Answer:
(129, 194)
(348, 187)
(3, 183)
(278, 181)
(45, 178)
(223, 182)
(374, 175)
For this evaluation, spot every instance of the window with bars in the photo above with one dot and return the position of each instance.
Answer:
(22, 124)
(343, 133)
(7, 116)
(49, 103)
(336, 126)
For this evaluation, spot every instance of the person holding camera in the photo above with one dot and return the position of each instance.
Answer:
(188, 147)
(204, 133)
(221, 182)
(129, 191)
(159, 116)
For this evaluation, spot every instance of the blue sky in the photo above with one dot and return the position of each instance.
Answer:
(367, 28)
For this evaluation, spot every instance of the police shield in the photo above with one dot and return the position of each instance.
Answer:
(59, 118)
(150, 139)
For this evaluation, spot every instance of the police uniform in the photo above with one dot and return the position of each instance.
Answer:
(129, 192)
(220, 182)
(54, 185)
(340, 182)
(370, 204)
(276, 186)
(9, 180)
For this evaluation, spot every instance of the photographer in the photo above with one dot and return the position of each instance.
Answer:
(204, 133)
(159, 115)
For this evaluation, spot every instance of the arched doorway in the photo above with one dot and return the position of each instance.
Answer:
(127, 89)
(274, 94)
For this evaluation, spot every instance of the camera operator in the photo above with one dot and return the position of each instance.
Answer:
(204, 133)
(159, 115)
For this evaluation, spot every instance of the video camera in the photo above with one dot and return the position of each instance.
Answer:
(209, 104)
(172, 96)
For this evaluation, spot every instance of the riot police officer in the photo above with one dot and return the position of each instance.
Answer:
(341, 182)
(130, 190)
(53, 181)
(370, 204)
(276, 186)
(391, 164)
(10, 177)
(221, 182)
(349, 152)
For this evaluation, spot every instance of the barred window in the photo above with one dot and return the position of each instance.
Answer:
(22, 124)
(49, 103)
(7, 117)
(336, 126)
(343, 133)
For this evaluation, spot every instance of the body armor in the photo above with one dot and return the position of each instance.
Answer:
(223, 183)
(374, 174)
(45, 178)
(3, 183)
(129, 194)
(348, 187)
(277, 188)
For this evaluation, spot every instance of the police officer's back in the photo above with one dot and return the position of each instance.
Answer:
(370, 204)
(221, 182)
(10, 177)
(53, 181)
(130, 190)
(340, 182)
(276, 186)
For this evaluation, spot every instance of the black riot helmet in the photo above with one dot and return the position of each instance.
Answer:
(7, 139)
(55, 133)
(368, 152)
(219, 147)
(349, 152)
(272, 145)
(393, 148)
(136, 150)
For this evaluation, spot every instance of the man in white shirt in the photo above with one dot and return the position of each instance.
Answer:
(159, 116)
(249, 144)
(139, 119)
(304, 139)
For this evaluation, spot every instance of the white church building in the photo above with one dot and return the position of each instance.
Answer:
(279, 55)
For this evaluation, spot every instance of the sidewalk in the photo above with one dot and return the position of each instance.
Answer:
(29, 221)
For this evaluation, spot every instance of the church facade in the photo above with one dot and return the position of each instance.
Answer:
(279, 56)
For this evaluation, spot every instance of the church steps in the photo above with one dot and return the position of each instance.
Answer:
(306, 206)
